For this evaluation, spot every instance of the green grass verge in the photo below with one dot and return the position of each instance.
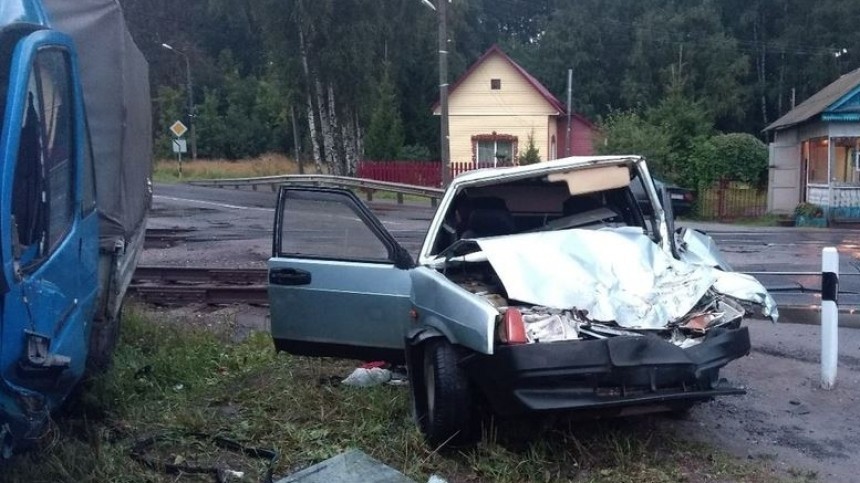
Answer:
(172, 380)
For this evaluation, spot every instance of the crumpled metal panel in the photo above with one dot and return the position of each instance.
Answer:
(699, 249)
(696, 247)
(745, 287)
(617, 275)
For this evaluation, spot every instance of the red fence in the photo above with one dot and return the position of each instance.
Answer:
(420, 173)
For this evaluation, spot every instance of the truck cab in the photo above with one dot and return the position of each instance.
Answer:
(55, 276)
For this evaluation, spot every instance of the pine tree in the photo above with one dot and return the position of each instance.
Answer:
(532, 154)
(385, 134)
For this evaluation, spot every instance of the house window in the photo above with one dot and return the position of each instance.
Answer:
(494, 150)
(818, 160)
(845, 169)
(496, 84)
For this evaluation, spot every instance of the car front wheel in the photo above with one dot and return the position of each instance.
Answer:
(448, 414)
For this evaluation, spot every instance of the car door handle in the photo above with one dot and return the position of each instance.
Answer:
(289, 276)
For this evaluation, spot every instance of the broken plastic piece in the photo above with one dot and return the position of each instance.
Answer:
(513, 328)
(699, 323)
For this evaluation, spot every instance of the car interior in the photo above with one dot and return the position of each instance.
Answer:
(540, 204)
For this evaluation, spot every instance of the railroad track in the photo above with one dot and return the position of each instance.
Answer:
(166, 274)
(165, 285)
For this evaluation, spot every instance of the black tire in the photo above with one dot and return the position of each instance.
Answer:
(446, 414)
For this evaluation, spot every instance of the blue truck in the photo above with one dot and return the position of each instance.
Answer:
(75, 187)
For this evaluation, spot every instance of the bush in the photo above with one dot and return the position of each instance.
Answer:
(630, 133)
(808, 210)
(739, 156)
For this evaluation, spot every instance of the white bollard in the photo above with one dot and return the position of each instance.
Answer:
(829, 316)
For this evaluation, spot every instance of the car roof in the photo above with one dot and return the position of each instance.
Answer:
(491, 175)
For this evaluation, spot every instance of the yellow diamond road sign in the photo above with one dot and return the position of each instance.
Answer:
(178, 129)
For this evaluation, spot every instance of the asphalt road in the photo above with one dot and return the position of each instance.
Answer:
(225, 227)
(784, 419)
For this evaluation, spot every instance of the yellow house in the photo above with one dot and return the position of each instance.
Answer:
(496, 106)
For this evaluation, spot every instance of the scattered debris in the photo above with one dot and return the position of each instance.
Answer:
(349, 467)
(362, 377)
(146, 451)
(377, 373)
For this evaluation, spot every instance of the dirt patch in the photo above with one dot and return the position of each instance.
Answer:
(785, 416)
(233, 323)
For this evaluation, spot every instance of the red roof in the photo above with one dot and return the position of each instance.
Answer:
(543, 91)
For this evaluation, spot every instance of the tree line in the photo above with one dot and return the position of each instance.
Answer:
(358, 77)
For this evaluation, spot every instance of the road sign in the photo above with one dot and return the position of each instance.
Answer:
(180, 146)
(178, 129)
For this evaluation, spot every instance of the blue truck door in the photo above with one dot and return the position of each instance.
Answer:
(47, 221)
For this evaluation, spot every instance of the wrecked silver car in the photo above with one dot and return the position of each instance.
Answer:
(538, 288)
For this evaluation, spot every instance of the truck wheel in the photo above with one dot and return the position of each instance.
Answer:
(448, 413)
(104, 338)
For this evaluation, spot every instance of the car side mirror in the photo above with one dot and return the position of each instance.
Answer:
(402, 259)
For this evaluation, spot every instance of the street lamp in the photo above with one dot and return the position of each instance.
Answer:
(190, 88)
(442, 10)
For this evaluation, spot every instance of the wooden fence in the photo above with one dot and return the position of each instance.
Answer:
(728, 200)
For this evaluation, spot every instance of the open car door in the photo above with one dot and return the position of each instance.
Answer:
(339, 284)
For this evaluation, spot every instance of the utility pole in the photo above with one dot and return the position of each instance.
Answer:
(190, 88)
(443, 92)
(567, 147)
(441, 9)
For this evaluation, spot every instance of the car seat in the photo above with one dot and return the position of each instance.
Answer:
(489, 217)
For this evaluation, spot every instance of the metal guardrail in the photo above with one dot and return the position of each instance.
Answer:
(368, 186)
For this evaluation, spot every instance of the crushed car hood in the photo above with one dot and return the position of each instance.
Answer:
(615, 275)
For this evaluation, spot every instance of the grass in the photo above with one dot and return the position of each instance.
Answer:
(167, 170)
(170, 380)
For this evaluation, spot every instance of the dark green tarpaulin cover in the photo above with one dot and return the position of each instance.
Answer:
(115, 78)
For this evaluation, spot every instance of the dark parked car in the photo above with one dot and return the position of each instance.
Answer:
(538, 288)
(682, 198)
